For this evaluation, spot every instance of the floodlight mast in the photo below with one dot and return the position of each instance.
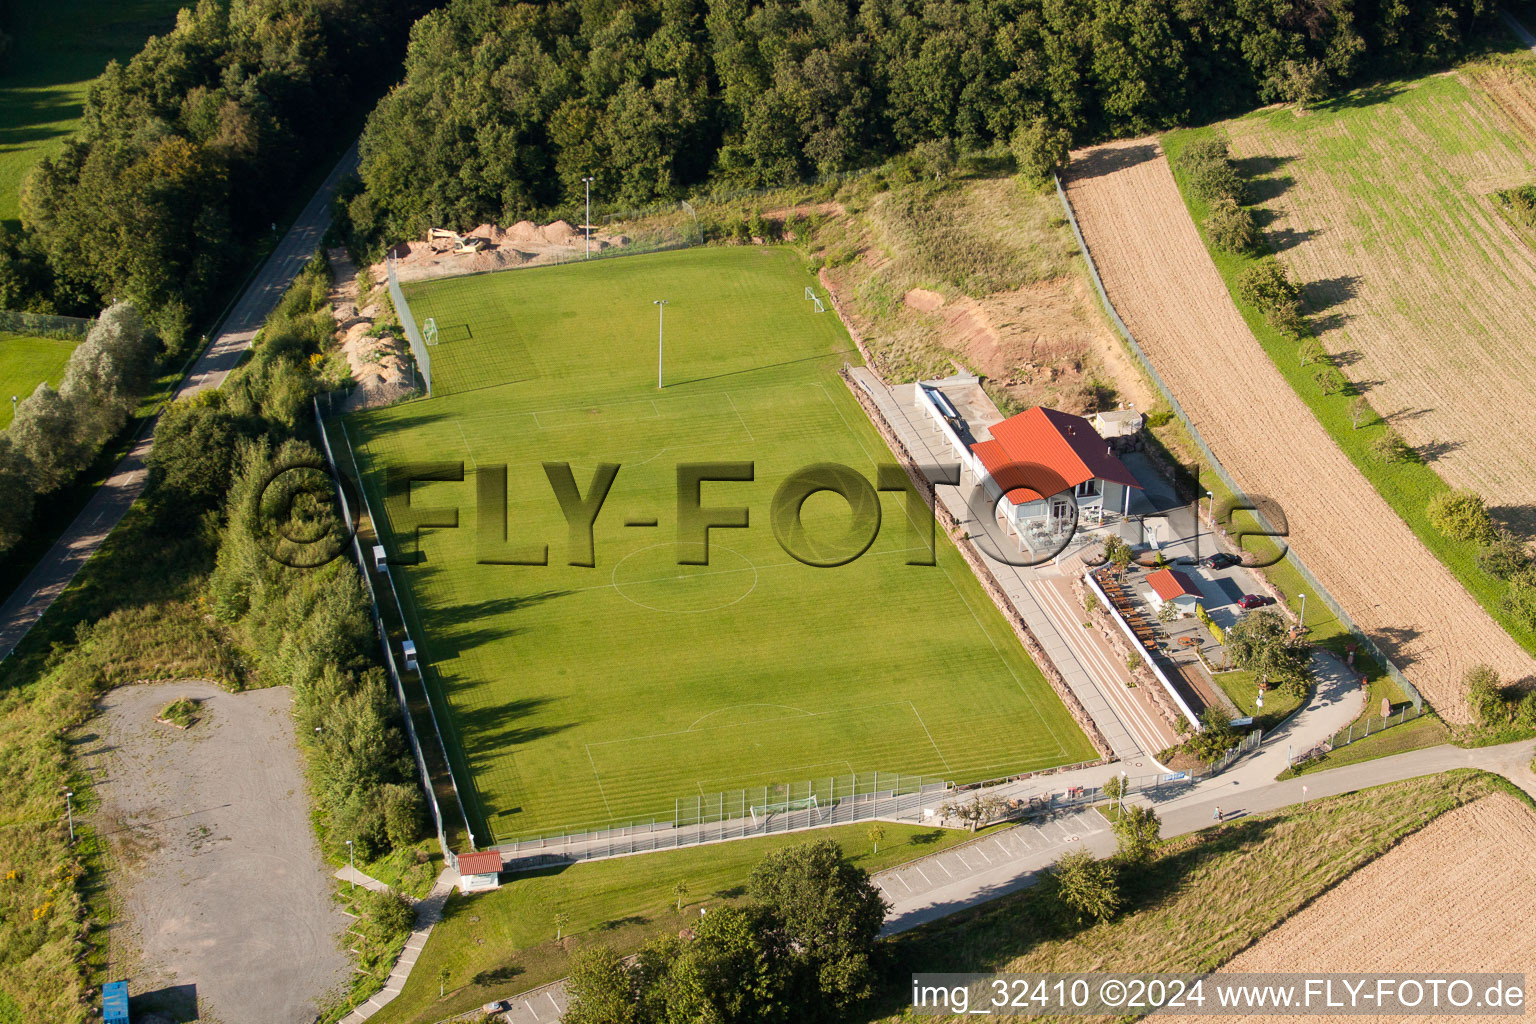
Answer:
(661, 324)
(586, 229)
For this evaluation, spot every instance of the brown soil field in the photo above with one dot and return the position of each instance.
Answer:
(1456, 896)
(1419, 284)
(1162, 281)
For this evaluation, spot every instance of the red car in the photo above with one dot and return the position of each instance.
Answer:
(1254, 601)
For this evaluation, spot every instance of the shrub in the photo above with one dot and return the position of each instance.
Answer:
(1503, 556)
(1485, 695)
(1461, 515)
(1231, 226)
(1212, 175)
(1040, 149)
(389, 912)
(1521, 599)
(1086, 889)
(1136, 831)
(1269, 287)
(1389, 447)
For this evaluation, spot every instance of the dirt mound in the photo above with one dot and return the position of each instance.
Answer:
(923, 300)
(524, 231)
(377, 360)
(559, 233)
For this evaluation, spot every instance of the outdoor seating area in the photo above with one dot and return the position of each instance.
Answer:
(1147, 629)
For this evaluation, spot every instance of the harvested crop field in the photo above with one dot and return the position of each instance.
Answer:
(1384, 210)
(1161, 279)
(1470, 873)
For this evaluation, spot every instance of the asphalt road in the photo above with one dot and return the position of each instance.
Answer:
(110, 503)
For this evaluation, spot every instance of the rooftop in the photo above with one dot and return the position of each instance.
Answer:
(1170, 583)
(484, 862)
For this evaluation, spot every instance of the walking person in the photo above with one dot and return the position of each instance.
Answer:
(1216, 815)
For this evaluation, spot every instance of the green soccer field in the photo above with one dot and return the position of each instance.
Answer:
(584, 696)
(25, 363)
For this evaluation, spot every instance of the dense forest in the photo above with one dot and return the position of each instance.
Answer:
(187, 154)
(504, 108)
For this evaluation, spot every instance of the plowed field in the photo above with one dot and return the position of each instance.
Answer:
(1162, 281)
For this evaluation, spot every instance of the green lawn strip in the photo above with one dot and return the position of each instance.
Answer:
(1243, 687)
(752, 673)
(495, 944)
(1427, 731)
(1406, 486)
(26, 362)
(57, 50)
(1203, 897)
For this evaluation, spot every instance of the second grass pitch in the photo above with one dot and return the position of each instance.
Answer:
(584, 696)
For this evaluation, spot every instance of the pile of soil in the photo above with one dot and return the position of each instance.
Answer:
(376, 358)
(523, 244)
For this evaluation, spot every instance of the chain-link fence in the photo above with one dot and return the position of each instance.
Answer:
(738, 814)
(408, 323)
(45, 325)
(1375, 724)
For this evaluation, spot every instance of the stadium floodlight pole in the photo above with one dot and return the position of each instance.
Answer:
(586, 228)
(661, 324)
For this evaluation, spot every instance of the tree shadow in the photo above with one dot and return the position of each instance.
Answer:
(1328, 292)
(1263, 190)
(623, 922)
(730, 892)
(1394, 642)
(1517, 519)
(1328, 322)
(1282, 239)
(1406, 415)
(1369, 96)
(498, 975)
(1108, 159)
(1346, 358)
(926, 838)
(1434, 451)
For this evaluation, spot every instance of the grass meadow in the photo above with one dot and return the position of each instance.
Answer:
(582, 696)
(57, 49)
(25, 363)
(1391, 196)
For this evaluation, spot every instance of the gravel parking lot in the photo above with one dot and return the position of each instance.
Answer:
(224, 908)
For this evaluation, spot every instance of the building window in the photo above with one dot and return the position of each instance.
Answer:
(1088, 489)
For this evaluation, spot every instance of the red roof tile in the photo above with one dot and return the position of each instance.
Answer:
(482, 863)
(1060, 443)
(1170, 583)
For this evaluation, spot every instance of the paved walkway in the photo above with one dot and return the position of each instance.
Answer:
(429, 911)
(110, 502)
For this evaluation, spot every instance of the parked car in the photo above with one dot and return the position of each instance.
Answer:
(1254, 600)
(1221, 560)
(496, 1006)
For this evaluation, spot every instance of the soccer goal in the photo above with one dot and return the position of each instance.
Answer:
(429, 331)
(811, 296)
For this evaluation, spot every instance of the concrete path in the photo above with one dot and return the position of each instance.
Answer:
(111, 501)
(429, 911)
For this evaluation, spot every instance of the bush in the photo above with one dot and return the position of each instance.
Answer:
(1136, 832)
(389, 912)
(182, 711)
(1231, 226)
(1086, 890)
(1521, 599)
(1485, 696)
(1503, 556)
(1461, 515)
(1040, 149)
(1389, 447)
(1269, 287)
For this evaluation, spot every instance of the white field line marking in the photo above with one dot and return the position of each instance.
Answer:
(467, 450)
(599, 779)
(740, 417)
(810, 714)
(936, 749)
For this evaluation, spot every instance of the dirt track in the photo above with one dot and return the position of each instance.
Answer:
(1165, 287)
(1457, 896)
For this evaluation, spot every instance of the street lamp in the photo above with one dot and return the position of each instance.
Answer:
(1122, 795)
(69, 809)
(1210, 505)
(351, 864)
(587, 228)
(1303, 609)
(661, 323)
(13, 407)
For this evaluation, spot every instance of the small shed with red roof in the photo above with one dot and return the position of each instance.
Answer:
(479, 871)
(1170, 586)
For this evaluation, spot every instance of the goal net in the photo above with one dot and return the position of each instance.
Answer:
(812, 297)
(429, 330)
(760, 812)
